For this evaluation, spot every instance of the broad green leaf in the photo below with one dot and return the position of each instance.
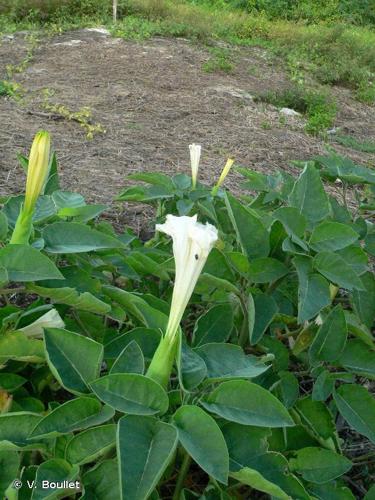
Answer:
(331, 491)
(357, 407)
(265, 310)
(309, 197)
(331, 236)
(150, 443)
(356, 258)
(288, 388)
(44, 209)
(138, 307)
(323, 386)
(73, 237)
(15, 428)
(214, 326)
(85, 301)
(221, 284)
(156, 178)
(9, 465)
(292, 220)
(25, 263)
(63, 199)
(3, 226)
(370, 494)
(91, 444)
(11, 381)
(82, 214)
(245, 443)
(131, 393)
(227, 361)
(51, 471)
(254, 479)
(18, 347)
(74, 360)
(202, 438)
(148, 339)
(247, 403)
(330, 339)
(251, 233)
(102, 482)
(358, 358)
(191, 367)
(364, 301)
(130, 360)
(335, 268)
(74, 415)
(266, 270)
(319, 465)
(316, 416)
(313, 290)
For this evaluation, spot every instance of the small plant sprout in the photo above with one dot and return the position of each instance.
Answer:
(223, 175)
(195, 155)
(192, 243)
(37, 174)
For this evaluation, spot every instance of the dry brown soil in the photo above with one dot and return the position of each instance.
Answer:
(153, 98)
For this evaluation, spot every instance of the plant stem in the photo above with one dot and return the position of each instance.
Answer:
(182, 476)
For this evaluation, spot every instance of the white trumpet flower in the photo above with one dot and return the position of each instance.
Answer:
(195, 155)
(51, 319)
(192, 243)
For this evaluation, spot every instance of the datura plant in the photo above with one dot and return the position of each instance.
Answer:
(230, 358)
(192, 243)
(37, 173)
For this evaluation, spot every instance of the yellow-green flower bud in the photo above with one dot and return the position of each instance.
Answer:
(223, 175)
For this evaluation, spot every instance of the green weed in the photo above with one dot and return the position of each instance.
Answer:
(353, 143)
(220, 60)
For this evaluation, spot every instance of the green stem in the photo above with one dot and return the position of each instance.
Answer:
(161, 365)
(22, 231)
(185, 466)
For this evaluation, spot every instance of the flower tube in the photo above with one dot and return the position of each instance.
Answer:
(195, 155)
(223, 175)
(192, 243)
(37, 173)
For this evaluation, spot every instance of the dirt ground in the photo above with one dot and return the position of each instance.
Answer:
(153, 99)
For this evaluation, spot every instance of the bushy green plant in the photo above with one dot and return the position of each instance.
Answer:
(274, 352)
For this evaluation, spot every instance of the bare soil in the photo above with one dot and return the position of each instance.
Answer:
(153, 99)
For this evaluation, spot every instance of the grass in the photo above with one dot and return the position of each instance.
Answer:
(353, 143)
(220, 61)
(317, 106)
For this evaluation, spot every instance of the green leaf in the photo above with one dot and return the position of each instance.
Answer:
(138, 307)
(91, 444)
(150, 444)
(25, 263)
(55, 470)
(330, 339)
(331, 236)
(313, 290)
(74, 415)
(191, 368)
(64, 351)
(85, 301)
(15, 428)
(155, 178)
(3, 226)
(247, 403)
(266, 270)
(254, 479)
(335, 268)
(11, 381)
(251, 233)
(130, 360)
(316, 416)
(202, 438)
(357, 407)
(356, 258)
(323, 386)
(364, 301)
(72, 237)
(82, 214)
(214, 326)
(18, 347)
(228, 361)
(64, 199)
(131, 393)
(9, 465)
(265, 310)
(331, 491)
(292, 220)
(148, 340)
(102, 482)
(319, 465)
(289, 388)
(358, 358)
(309, 197)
